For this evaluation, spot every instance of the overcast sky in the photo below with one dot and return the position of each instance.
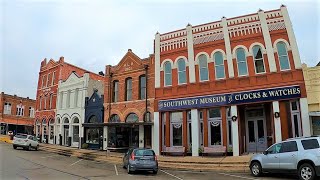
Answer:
(92, 33)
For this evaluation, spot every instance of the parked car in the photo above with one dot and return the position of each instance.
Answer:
(25, 141)
(140, 159)
(296, 155)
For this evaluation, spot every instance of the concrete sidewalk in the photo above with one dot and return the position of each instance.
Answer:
(206, 163)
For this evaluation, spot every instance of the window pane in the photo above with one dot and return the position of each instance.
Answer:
(214, 113)
(218, 59)
(310, 144)
(203, 67)
(167, 67)
(177, 134)
(252, 138)
(220, 72)
(284, 62)
(203, 74)
(115, 91)
(230, 132)
(242, 68)
(75, 133)
(190, 133)
(257, 53)
(182, 77)
(241, 56)
(202, 61)
(282, 50)
(168, 79)
(132, 118)
(142, 87)
(129, 89)
(259, 66)
(294, 106)
(289, 146)
(261, 137)
(181, 65)
(296, 125)
(215, 127)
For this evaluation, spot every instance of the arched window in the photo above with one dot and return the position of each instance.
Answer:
(114, 118)
(203, 67)
(128, 89)
(142, 87)
(242, 62)
(93, 119)
(167, 74)
(219, 65)
(115, 90)
(44, 121)
(258, 59)
(132, 117)
(283, 56)
(147, 117)
(51, 121)
(76, 120)
(66, 121)
(182, 79)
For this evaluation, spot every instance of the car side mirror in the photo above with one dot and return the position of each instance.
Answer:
(265, 152)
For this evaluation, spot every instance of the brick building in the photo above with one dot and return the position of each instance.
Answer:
(129, 102)
(235, 85)
(50, 74)
(16, 114)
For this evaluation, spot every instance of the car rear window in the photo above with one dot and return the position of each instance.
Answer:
(310, 144)
(21, 136)
(143, 152)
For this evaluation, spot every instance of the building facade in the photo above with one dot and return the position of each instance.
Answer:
(70, 113)
(50, 74)
(16, 114)
(234, 84)
(312, 81)
(129, 102)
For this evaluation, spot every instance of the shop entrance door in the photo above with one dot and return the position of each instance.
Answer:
(256, 134)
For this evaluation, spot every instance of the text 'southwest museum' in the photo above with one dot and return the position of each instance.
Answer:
(234, 84)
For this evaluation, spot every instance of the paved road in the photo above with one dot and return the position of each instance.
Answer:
(20, 164)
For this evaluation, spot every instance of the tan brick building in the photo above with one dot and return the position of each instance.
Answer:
(129, 102)
(16, 114)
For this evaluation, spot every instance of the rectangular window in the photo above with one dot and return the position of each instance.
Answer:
(51, 132)
(45, 102)
(142, 87)
(31, 112)
(295, 119)
(40, 104)
(20, 110)
(289, 146)
(176, 128)
(43, 80)
(48, 78)
(258, 59)
(215, 127)
(129, 89)
(310, 144)
(115, 91)
(53, 78)
(50, 101)
(7, 108)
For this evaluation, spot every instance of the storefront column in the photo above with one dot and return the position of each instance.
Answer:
(305, 121)
(277, 121)
(184, 130)
(195, 132)
(224, 126)
(235, 132)
(205, 128)
(168, 138)
(105, 137)
(141, 136)
(156, 133)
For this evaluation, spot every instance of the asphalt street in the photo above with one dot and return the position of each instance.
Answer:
(28, 165)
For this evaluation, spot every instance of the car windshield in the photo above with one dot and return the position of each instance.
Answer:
(143, 152)
(21, 136)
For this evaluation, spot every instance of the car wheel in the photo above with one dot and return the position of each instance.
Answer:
(256, 169)
(306, 172)
(128, 169)
(14, 147)
(154, 172)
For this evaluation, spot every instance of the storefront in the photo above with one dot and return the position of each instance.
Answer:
(242, 122)
(315, 120)
(93, 133)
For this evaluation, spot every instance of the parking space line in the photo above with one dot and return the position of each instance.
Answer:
(115, 168)
(76, 162)
(170, 174)
(225, 174)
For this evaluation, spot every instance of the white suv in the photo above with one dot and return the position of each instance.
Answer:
(297, 155)
(25, 141)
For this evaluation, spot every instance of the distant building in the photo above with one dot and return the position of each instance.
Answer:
(47, 93)
(235, 84)
(16, 114)
(312, 81)
(129, 102)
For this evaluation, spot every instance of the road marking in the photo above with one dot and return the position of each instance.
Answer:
(225, 174)
(76, 162)
(115, 168)
(170, 174)
(50, 156)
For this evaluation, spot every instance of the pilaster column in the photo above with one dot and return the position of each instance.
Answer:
(192, 71)
(235, 132)
(105, 137)
(305, 120)
(157, 61)
(277, 121)
(267, 40)
(291, 36)
(228, 46)
(195, 132)
(141, 136)
(156, 133)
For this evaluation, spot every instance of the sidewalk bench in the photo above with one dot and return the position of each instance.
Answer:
(215, 149)
(180, 150)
